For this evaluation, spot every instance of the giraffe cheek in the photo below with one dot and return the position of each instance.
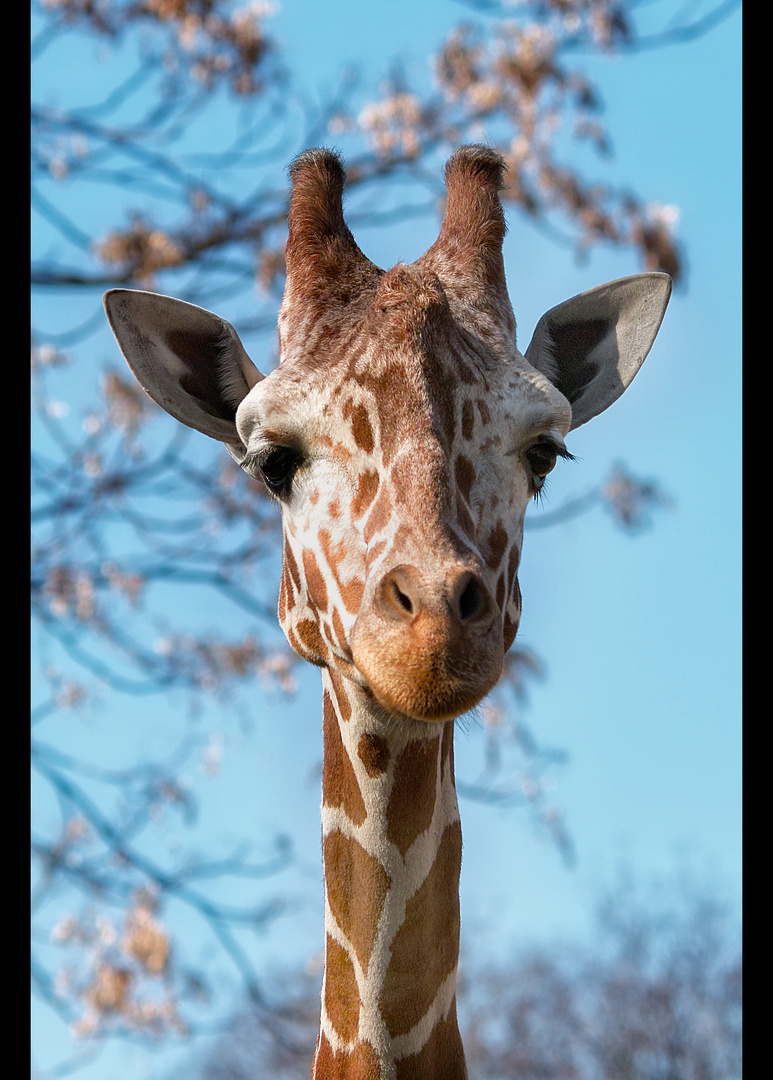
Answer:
(339, 637)
(316, 588)
(305, 638)
(510, 632)
(512, 617)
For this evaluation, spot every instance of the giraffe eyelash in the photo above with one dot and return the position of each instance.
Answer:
(541, 457)
(276, 466)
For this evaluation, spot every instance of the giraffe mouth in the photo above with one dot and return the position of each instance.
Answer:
(428, 671)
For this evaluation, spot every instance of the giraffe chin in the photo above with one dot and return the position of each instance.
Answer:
(429, 706)
(429, 688)
(429, 711)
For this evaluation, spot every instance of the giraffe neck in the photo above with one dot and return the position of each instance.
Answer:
(391, 840)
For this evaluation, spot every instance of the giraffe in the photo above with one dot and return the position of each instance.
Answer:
(402, 435)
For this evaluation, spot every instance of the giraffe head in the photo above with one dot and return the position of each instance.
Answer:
(402, 433)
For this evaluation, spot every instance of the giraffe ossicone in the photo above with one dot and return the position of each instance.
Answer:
(403, 435)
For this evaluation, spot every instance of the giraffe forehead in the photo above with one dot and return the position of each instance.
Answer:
(388, 402)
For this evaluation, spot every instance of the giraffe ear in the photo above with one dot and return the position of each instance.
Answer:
(590, 347)
(190, 361)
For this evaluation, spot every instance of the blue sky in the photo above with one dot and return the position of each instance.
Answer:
(640, 635)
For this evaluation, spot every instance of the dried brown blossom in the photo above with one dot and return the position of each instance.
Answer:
(141, 250)
(70, 593)
(394, 125)
(127, 403)
(110, 988)
(145, 940)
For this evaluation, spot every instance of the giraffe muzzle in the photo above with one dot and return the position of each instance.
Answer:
(429, 648)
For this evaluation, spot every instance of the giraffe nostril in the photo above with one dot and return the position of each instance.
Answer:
(471, 600)
(400, 598)
(403, 595)
(398, 594)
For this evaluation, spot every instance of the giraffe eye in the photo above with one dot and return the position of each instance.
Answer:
(541, 457)
(278, 466)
